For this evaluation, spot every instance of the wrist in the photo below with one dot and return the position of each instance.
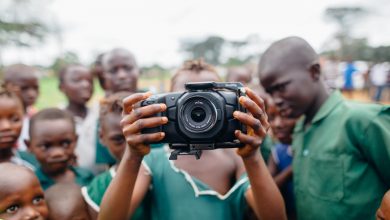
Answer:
(253, 157)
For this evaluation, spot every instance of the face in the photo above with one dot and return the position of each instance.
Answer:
(292, 90)
(78, 212)
(240, 75)
(22, 199)
(29, 90)
(112, 136)
(53, 143)
(78, 85)
(188, 76)
(282, 127)
(11, 120)
(383, 212)
(121, 73)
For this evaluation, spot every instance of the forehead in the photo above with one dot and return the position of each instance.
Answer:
(119, 59)
(17, 181)
(77, 71)
(52, 128)
(189, 76)
(10, 104)
(111, 123)
(27, 80)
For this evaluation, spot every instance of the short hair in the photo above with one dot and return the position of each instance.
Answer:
(15, 72)
(112, 104)
(6, 92)
(62, 73)
(51, 114)
(196, 66)
(114, 52)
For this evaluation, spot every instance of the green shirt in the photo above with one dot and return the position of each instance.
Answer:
(342, 160)
(175, 195)
(94, 192)
(83, 177)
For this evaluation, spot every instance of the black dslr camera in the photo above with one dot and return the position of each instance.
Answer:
(200, 118)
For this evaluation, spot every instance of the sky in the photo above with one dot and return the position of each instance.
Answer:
(153, 29)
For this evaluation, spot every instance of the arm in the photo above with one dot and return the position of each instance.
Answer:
(116, 203)
(263, 196)
(280, 178)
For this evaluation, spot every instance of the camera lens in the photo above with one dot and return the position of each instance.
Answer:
(198, 114)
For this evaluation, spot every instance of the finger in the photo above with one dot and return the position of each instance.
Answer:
(131, 100)
(141, 139)
(247, 139)
(250, 121)
(251, 106)
(256, 98)
(140, 124)
(142, 112)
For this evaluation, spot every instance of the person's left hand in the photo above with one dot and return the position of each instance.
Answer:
(256, 121)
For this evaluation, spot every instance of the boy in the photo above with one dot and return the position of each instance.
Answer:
(76, 82)
(239, 74)
(23, 80)
(280, 161)
(341, 148)
(11, 120)
(215, 187)
(111, 136)
(383, 212)
(52, 140)
(65, 202)
(21, 195)
(120, 73)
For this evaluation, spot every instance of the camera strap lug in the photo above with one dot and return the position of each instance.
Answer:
(177, 152)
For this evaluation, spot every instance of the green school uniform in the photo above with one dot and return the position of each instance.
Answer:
(175, 195)
(342, 160)
(83, 177)
(94, 192)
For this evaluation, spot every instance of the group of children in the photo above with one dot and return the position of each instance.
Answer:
(329, 158)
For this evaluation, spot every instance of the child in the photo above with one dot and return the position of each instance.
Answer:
(383, 212)
(239, 74)
(65, 202)
(214, 187)
(23, 80)
(280, 162)
(52, 140)
(341, 148)
(21, 195)
(120, 74)
(111, 136)
(11, 120)
(76, 82)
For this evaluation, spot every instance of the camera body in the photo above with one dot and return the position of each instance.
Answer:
(200, 118)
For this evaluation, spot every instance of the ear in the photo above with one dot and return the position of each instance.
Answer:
(315, 71)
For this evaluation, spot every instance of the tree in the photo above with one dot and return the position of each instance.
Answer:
(345, 18)
(210, 49)
(63, 60)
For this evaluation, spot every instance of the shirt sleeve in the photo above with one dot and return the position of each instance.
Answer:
(377, 143)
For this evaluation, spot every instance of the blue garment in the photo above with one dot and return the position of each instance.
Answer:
(348, 73)
(282, 154)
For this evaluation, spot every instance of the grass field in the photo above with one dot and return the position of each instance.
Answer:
(51, 96)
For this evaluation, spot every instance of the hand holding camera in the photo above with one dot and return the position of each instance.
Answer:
(207, 116)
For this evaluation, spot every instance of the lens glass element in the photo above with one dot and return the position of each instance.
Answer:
(198, 114)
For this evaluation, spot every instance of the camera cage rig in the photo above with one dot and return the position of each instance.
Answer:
(197, 148)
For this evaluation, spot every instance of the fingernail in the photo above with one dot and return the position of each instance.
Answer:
(162, 134)
(147, 94)
(163, 106)
(235, 114)
(242, 99)
(236, 132)
(164, 119)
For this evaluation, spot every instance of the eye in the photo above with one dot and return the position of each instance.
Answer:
(38, 200)
(66, 143)
(12, 209)
(118, 140)
(44, 146)
(15, 118)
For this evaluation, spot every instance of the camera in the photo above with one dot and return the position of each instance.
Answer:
(201, 118)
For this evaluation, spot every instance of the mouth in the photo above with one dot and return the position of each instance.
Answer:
(57, 161)
(6, 138)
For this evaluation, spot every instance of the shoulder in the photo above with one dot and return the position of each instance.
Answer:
(93, 193)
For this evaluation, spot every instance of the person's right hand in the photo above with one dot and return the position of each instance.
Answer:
(136, 118)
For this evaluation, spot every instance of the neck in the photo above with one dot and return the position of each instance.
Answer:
(321, 97)
(6, 154)
(54, 174)
(77, 109)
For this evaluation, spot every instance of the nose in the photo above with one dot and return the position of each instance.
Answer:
(277, 100)
(5, 125)
(277, 122)
(32, 93)
(57, 152)
(122, 73)
(30, 213)
(86, 84)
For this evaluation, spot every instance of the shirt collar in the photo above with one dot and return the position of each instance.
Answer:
(333, 100)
